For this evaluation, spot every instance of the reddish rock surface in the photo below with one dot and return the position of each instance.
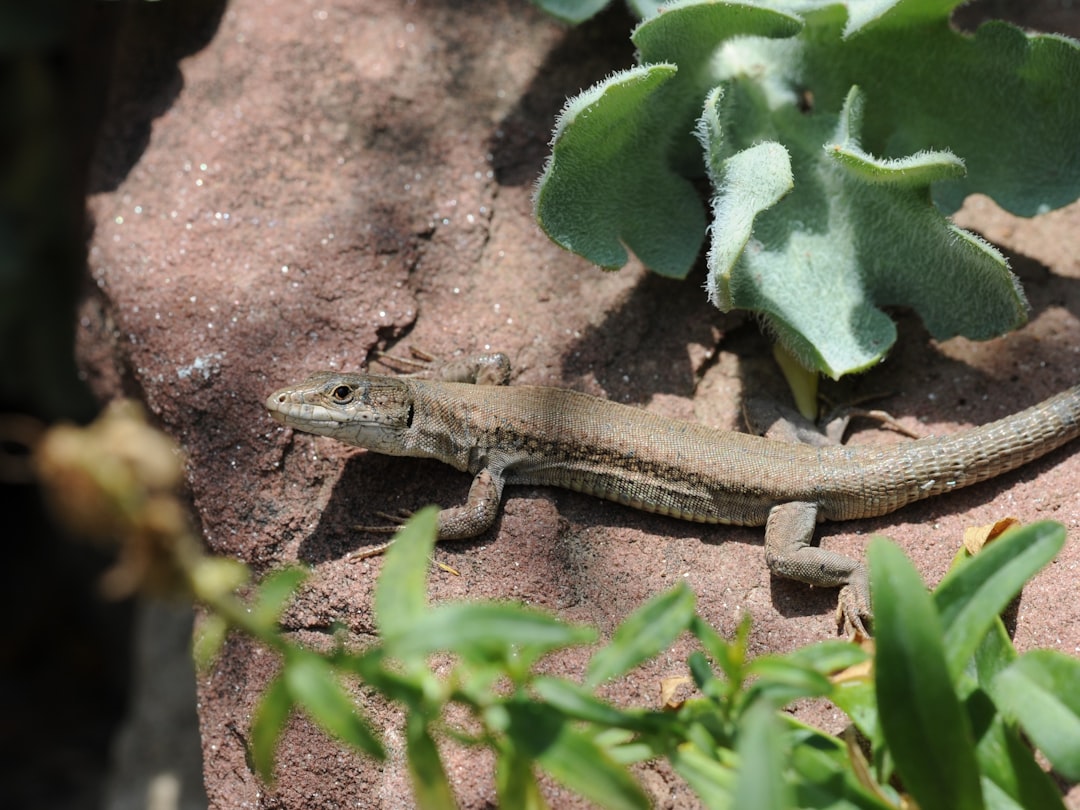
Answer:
(344, 176)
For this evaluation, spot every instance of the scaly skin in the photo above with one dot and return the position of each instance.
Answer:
(550, 436)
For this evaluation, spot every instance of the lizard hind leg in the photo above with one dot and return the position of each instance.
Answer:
(789, 553)
(769, 418)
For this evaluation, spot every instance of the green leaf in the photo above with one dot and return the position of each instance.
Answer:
(268, 722)
(579, 703)
(706, 681)
(947, 114)
(729, 656)
(746, 184)
(607, 187)
(997, 99)
(1040, 692)
(858, 700)
(857, 233)
(572, 11)
(609, 183)
(410, 686)
(515, 782)
(994, 653)
(313, 685)
(712, 781)
(210, 633)
(571, 757)
(824, 776)
(273, 592)
(1010, 775)
(485, 630)
(893, 14)
(691, 35)
(763, 760)
(401, 593)
(827, 657)
(781, 681)
(646, 632)
(925, 728)
(971, 595)
(431, 788)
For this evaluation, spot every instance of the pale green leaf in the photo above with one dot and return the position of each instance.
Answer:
(1040, 691)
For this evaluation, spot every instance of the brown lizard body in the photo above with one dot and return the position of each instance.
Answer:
(551, 436)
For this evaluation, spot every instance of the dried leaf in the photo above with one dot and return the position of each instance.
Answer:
(668, 687)
(975, 537)
(860, 672)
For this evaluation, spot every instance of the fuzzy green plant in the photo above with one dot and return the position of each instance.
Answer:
(836, 139)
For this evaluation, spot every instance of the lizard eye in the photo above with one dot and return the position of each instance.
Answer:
(342, 393)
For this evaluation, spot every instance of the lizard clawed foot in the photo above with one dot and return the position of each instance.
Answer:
(847, 413)
(419, 360)
(841, 415)
(369, 551)
(478, 369)
(774, 420)
(394, 522)
(853, 614)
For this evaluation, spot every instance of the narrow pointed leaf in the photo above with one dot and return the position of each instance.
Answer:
(760, 746)
(484, 629)
(314, 687)
(515, 782)
(401, 593)
(971, 596)
(712, 781)
(572, 758)
(645, 633)
(1011, 776)
(268, 722)
(1040, 691)
(579, 703)
(431, 788)
(926, 730)
(273, 593)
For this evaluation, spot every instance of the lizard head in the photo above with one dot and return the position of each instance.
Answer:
(360, 409)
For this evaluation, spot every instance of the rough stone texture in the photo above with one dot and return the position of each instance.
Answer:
(343, 176)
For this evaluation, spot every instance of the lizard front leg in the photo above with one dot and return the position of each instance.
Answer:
(473, 517)
(478, 512)
(789, 532)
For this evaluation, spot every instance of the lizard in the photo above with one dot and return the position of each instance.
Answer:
(470, 419)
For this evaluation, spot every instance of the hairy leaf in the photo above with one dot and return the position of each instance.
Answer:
(818, 240)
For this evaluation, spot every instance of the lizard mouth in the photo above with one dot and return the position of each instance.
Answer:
(288, 411)
(311, 417)
(277, 415)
